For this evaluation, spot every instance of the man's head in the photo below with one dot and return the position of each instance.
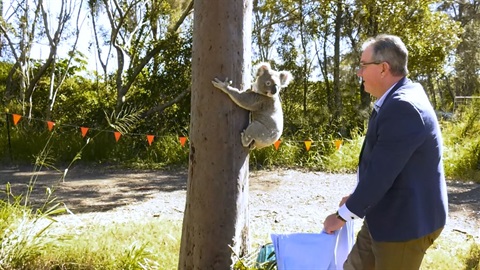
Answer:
(383, 62)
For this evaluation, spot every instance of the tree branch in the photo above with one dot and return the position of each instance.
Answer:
(161, 107)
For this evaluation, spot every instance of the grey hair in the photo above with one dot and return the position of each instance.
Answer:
(390, 49)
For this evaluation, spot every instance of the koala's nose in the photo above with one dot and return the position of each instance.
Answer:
(274, 90)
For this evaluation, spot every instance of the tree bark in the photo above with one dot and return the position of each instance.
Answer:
(216, 210)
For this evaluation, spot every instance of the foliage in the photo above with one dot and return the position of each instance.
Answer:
(258, 259)
(472, 260)
(24, 232)
(32, 244)
(462, 144)
(166, 151)
(155, 246)
(345, 160)
(162, 84)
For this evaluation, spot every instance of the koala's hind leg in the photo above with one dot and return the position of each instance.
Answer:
(247, 140)
(256, 135)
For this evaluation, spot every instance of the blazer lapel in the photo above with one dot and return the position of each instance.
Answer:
(374, 113)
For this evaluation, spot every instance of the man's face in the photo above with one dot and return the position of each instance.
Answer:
(370, 72)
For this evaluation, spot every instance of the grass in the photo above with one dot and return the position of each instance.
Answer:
(35, 240)
(153, 244)
(24, 233)
(451, 251)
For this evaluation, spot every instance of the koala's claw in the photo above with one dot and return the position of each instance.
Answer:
(227, 82)
(221, 84)
(217, 83)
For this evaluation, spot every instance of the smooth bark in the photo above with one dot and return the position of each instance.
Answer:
(216, 211)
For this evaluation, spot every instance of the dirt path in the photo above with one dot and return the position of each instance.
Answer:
(280, 201)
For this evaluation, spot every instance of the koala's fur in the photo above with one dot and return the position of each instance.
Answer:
(263, 102)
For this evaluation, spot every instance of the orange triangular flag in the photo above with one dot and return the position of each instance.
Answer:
(50, 125)
(182, 140)
(117, 135)
(338, 144)
(84, 131)
(150, 139)
(16, 118)
(308, 143)
(277, 144)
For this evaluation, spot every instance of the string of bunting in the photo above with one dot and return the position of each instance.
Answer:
(150, 138)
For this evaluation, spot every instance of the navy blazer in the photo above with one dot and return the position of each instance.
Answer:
(401, 188)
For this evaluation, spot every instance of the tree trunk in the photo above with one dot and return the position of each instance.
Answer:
(216, 210)
(337, 91)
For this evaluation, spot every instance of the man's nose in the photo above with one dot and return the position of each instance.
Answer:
(359, 72)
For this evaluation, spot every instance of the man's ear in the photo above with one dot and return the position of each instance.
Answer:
(385, 66)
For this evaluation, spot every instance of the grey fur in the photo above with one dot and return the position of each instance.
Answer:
(263, 102)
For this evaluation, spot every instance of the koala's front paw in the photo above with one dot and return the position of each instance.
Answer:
(221, 85)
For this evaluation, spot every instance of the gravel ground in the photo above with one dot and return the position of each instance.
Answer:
(281, 201)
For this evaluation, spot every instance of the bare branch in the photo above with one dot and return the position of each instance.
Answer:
(161, 107)
(187, 12)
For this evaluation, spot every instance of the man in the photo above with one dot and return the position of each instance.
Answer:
(401, 190)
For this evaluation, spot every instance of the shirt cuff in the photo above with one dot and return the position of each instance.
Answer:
(346, 214)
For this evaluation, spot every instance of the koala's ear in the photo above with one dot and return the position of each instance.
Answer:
(262, 67)
(285, 78)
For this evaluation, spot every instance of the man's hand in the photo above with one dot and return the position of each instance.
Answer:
(332, 223)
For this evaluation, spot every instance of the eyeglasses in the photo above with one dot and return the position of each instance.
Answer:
(363, 65)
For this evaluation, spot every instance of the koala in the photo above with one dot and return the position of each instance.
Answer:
(263, 102)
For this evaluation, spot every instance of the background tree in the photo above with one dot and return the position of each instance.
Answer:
(138, 31)
(216, 211)
(429, 35)
(26, 24)
(465, 80)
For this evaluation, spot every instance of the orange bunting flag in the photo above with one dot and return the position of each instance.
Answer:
(84, 131)
(150, 139)
(308, 143)
(16, 118)
(117, 135)
(338, 144)
(183, 140)
(50, 125)
(277, 144)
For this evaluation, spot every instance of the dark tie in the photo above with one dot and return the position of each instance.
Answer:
(373, 115)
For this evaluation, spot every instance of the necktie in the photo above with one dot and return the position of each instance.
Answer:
(373, 115)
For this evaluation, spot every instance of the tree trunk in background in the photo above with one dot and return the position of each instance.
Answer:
(337, 92)
(216, 210)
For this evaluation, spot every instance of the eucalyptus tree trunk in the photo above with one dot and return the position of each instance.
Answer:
(216, 210)
(337, 95)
